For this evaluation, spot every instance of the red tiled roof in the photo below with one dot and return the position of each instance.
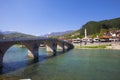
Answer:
(105, 36)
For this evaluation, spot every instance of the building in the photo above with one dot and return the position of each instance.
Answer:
(111, 36)
(76, 41)
(96, 39)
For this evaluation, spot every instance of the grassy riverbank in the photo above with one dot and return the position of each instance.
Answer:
(18, 45)
(99, 47)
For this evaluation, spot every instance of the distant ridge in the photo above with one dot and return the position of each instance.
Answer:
(58, 33)
(13, 34)
(7, 32)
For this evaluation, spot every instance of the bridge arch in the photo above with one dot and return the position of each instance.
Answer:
(32, 50)
(15, 55)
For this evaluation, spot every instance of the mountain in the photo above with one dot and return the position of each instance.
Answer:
(96, 28)
(58, 33)
(10, 34)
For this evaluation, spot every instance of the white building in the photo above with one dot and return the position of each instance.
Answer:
(76, 41)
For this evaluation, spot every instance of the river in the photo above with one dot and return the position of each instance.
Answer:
(76, 64)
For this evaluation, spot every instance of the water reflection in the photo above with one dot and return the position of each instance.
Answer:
(16, 58)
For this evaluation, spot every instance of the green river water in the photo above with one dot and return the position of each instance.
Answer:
(76, 64)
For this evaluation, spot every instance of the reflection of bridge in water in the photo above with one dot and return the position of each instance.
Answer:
(52, 46)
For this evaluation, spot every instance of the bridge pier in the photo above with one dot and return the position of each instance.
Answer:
(33, 51)
(1, 60)
(30, 54)
(60, 47)
(3, 49)
(51, 48)
(70, 47)
(65, 47)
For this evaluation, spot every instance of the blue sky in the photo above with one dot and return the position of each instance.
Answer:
(38, 17)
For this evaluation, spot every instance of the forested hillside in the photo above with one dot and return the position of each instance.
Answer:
(96, 28)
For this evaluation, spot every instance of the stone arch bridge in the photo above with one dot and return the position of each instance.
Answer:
(52, 46)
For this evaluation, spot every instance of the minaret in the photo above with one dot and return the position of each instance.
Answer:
(85, 33)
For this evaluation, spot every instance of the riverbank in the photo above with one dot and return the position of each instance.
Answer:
(104, 45)
(18, 45)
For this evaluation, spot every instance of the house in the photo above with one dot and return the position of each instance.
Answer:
(111, 36)
(76, 41)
